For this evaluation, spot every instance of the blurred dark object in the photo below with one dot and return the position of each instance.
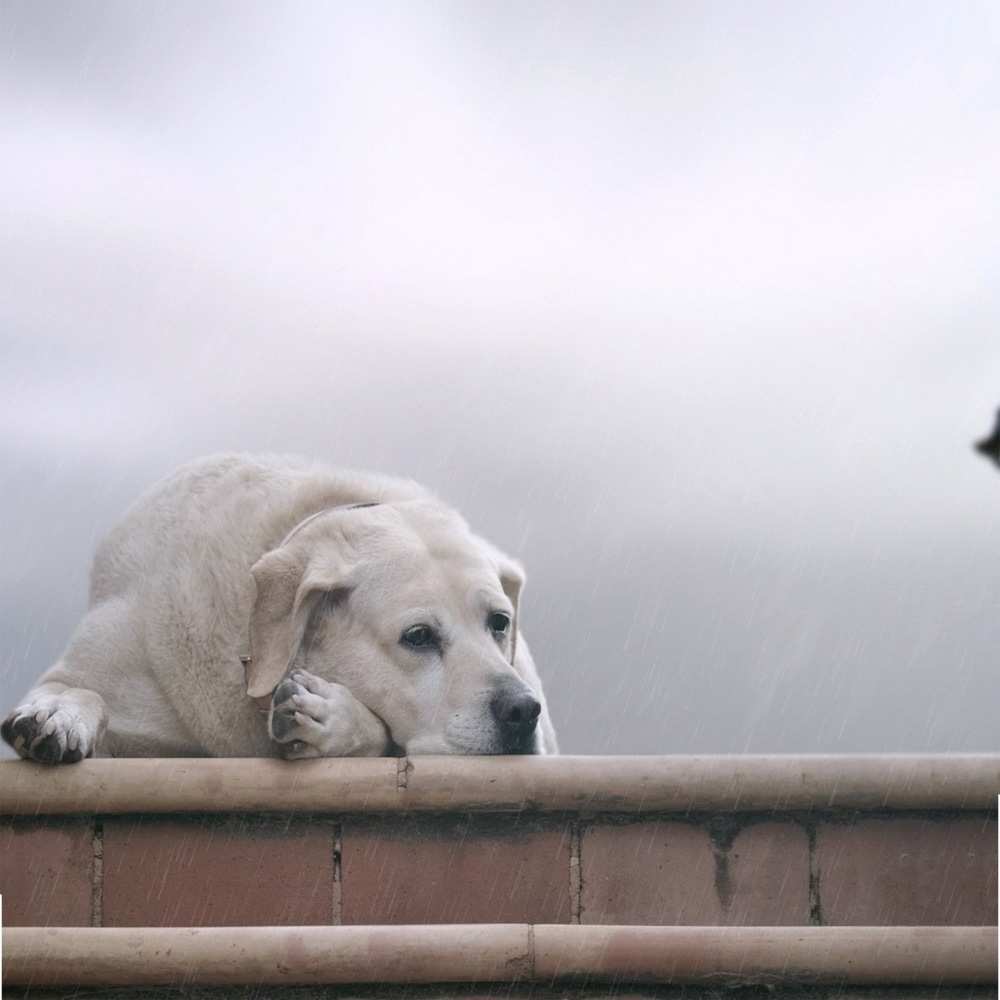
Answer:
(990, 446)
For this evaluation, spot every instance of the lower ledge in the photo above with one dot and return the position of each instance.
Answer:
(499, 953)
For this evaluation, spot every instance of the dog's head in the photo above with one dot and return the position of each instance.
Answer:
(411, 612)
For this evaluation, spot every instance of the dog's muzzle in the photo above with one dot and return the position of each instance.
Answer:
(515, 711)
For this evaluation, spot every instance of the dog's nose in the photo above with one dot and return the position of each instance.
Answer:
(516, 711)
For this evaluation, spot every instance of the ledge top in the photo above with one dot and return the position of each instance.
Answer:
(674, 784)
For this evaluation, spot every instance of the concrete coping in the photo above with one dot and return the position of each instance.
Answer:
(133, 956)
(718, 783)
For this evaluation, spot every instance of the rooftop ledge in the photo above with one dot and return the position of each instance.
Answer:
(272, 956)
(714, 783)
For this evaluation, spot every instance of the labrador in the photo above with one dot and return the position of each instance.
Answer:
(271, 606)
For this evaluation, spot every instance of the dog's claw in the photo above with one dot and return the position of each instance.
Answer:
(48, 736)
(311, 717)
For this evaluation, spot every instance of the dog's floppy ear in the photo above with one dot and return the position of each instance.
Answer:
(288, 582)
(511, 574)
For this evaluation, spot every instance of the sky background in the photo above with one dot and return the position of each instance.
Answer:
(694, 307)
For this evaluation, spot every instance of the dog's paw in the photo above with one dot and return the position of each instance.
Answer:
(49, 730)
(311, 717)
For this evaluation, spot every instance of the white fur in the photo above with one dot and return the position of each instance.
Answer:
(197, 566)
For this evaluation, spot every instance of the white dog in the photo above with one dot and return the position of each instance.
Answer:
(270, 606)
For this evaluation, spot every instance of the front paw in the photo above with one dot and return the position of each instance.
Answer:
(48, 730)
(311, 717)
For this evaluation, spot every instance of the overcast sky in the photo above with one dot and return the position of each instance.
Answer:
(692, 306)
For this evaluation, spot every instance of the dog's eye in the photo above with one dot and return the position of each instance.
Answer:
(419, 636)
(498, 622)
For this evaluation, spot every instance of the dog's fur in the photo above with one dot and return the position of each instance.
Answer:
(201, 571)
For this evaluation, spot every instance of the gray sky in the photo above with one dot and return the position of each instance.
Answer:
(692, 306)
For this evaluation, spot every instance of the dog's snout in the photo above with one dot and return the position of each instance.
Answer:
(517, 709)
(516, 712)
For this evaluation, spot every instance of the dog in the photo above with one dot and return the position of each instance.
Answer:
(273, 606)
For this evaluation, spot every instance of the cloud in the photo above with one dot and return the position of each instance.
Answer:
(640, 292)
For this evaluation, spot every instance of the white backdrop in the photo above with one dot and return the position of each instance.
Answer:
(692, 306)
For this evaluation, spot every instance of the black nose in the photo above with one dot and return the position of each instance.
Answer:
(516, 711)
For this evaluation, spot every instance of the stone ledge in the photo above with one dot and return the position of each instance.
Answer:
(727, 783)
(499, 953)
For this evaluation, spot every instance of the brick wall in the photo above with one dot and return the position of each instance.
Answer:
(842, 867)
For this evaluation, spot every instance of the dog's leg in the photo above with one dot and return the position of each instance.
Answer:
(64, 716)
(56, 724)
(311, 717)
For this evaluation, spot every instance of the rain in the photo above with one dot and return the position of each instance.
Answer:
(691, 307)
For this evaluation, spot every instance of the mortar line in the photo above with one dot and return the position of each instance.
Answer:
(575, 875)
(337, 899)
(97, 874)
(815, 899)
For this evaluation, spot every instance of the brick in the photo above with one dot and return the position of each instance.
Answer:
(766, 876)
(908, 871)
(45, 872)
(658, 872)
(670, 872)
(202, 872)
(428, 870)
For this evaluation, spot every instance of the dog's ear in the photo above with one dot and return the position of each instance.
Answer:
(511, 574)
(288, 581)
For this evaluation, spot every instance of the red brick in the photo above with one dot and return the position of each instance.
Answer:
(455, 870)
(45, 872)
(190, 872)
(671, 872)
(908, 871)
(659, 872)
(768, 876)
